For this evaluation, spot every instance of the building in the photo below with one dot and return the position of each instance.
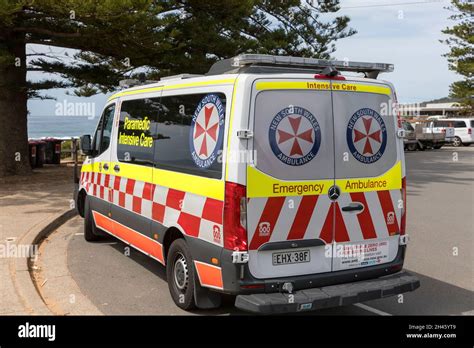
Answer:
(425, 110)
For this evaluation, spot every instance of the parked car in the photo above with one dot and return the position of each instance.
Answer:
(462, 131)
(445, 127)
(409, 142)
(433, 134)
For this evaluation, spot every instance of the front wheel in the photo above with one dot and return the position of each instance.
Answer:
(412, 147)
(90, 229)
(180, 274)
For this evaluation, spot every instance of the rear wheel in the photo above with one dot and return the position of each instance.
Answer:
(457, 142)
(180, 275)
(90, 229)
(412, 147)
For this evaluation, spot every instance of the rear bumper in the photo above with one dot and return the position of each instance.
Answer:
(328, 296)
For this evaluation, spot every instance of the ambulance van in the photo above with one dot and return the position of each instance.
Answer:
(278, 180)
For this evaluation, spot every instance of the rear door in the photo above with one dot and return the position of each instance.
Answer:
(368, 173)
(289, 222)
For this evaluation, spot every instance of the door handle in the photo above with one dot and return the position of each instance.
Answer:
(354, 206)
(117, 168)
(106, 166)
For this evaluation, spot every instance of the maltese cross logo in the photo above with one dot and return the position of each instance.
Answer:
(366, 136)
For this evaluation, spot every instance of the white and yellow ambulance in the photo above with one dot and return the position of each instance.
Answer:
(276, 179)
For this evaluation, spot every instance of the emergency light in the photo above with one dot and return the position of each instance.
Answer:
(245, 61)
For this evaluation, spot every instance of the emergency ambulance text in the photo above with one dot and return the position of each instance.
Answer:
(299, 189)
(365, 184)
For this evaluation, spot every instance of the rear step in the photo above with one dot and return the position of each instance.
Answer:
(328, 296)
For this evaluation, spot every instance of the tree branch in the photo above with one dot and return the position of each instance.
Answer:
(47, 32)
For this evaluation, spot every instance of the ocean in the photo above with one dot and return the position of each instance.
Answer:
(60, 126)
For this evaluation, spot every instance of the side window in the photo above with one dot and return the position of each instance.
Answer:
(136, 130)
(459, 124)
(408, 127)
(190, 132)
(442, 124)
(102, 135)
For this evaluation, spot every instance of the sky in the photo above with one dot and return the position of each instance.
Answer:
(407, 34)
(403, 32)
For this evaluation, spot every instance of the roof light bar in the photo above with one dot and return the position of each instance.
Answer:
(247, 60)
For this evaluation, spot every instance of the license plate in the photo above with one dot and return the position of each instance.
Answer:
(289, 257)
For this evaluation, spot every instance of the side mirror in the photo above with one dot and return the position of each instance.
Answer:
(86, 146)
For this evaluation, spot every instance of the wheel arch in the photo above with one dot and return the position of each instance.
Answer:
(80, 202)
(173, 233)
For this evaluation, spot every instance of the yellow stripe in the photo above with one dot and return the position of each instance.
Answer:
(175, 86)
(324, 86)
(229, 134)
(262, 185)
(390, 180)
(207, 187)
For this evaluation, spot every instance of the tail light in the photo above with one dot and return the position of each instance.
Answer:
(404, 209)
(235, 217)
(398, 113)
(469, 131)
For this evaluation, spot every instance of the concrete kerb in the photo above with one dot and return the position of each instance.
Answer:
(21, 267)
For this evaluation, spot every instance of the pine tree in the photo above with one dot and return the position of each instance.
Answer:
(461, 55)
(112, 39)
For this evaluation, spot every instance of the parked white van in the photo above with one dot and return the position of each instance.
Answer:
(313, 217)
(463, 134)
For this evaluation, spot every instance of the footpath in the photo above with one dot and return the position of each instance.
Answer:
(29, 207)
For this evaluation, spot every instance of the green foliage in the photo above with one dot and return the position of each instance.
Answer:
(114, 39)
(461, 55)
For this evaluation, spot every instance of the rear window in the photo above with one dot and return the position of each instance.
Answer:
(472, 123)
(294, 134)
(366, 144)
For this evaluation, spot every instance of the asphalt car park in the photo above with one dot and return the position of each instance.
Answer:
(119, 280)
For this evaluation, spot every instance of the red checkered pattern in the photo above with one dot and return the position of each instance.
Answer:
(195, 215)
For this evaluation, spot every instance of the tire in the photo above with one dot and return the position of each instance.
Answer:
(90, 229)
(180, 274)
(412, 147)
(437, 147)
(457, 142)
